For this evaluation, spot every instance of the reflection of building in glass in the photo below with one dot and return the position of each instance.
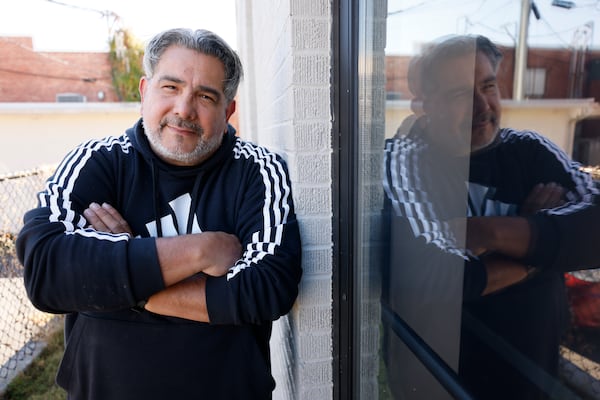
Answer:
(559, 76)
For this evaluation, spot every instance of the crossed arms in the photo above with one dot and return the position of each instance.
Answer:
(182, 259)
(502, 242)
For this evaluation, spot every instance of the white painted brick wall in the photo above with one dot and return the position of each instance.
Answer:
(284, 104)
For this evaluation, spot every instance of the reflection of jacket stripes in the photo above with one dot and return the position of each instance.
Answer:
(584, 191)
(406, 161)
(420, 183)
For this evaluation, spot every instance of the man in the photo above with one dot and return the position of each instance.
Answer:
(497, 216)
(171, 248)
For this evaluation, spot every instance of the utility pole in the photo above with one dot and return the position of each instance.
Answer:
(521, 51)
(582, 39)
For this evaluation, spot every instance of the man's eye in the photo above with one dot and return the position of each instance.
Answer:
(489, 87)
(207, 98)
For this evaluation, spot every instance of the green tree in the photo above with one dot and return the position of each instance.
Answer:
(126, 55)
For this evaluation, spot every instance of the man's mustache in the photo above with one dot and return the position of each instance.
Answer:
(484, 117)
(181, 123)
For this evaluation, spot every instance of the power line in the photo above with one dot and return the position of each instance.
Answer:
(108, 14)
(103, 13)
(69, 78)
(479, 14)
(416, 6)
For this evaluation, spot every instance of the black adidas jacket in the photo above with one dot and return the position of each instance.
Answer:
(116, 351)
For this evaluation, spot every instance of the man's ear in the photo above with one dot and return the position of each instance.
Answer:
(142, 89)
(230, 110)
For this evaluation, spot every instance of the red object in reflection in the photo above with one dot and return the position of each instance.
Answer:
(584, 299)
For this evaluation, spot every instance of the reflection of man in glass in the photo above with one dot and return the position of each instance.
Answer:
(484, 221)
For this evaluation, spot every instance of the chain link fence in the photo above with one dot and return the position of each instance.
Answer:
(21, 325)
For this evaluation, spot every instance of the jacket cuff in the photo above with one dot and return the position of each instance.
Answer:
(544, 232)
(144, 270)
(219, 302)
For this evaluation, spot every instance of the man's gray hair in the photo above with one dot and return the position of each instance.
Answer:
(455, 46)
(202, 41)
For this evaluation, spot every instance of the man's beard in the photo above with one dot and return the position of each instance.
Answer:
(483, 137)
(204, 148)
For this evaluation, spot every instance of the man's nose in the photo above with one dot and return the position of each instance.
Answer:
(185, 107)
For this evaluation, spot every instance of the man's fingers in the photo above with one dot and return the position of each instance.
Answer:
(106, 218)
(555, 196)
(94, 219)
(225, 251)
(544, 196)
(551, 195)
(120, 224)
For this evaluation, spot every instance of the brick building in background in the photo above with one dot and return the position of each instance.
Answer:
(30, 76)
(27, 75)
(551, 74)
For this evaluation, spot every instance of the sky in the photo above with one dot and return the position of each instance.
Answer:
(412, 22)
(79, 25)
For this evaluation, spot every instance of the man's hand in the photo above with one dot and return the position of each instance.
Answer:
(509, 236)
(502, 272)
(105, 218)
(224, 250)
(543, 196)
(213, 253)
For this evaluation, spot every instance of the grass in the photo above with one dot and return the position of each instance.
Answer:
(36, 382)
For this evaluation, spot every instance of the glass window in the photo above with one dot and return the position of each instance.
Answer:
(478, 227)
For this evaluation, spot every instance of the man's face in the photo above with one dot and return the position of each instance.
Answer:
(464, 111)
(184, 109)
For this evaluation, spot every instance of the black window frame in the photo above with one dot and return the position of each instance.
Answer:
(345, 86)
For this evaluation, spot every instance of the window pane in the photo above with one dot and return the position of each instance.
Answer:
(369, 197)
(477, 192)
